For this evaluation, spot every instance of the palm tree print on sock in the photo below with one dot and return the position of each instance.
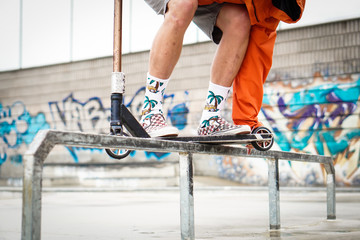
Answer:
(213, 97)
(149, 104)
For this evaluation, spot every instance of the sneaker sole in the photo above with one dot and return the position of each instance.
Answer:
(235, 131)
(165, 132)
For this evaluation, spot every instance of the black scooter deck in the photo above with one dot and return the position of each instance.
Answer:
(224, 139)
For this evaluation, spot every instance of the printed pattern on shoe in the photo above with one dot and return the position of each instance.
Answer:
(153, 122)
(155, 125)
(218, 125)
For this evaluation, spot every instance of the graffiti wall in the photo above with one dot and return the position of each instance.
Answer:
(309, 111)
(19, 127)
(320, 116)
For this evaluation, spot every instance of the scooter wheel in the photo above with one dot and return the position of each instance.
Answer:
(118, 153)
(262, 145)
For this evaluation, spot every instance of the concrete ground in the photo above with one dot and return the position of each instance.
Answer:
(220, 213)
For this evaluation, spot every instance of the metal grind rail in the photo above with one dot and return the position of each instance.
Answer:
(45, 140)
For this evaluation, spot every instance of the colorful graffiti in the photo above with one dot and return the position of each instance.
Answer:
(72, 114)
(319, 118)
(17, 129)
(315, 115)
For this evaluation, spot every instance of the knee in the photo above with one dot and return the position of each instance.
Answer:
(181, 12)
(241, 21)
(187, 5)
(236, 21)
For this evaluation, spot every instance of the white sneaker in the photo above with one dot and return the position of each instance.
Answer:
(155, 125)
(219, 126)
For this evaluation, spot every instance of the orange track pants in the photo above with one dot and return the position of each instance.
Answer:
(248, 84)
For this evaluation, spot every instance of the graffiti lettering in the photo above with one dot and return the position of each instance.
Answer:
(73, 115)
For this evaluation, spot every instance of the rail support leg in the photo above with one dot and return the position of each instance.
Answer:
(31, 220)
(32, 186)
(331, 199)
(274, 196)
(186, 197)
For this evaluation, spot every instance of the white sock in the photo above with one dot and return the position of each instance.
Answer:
(215, 101)
(154, 95)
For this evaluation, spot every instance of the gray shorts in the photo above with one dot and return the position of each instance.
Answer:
(205, 17)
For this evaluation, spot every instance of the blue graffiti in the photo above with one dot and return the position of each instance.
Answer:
(73, 114)
(17, 126)
(77, 115)
(157, 155)
(3, 156)
(178, 114)
(74, 150)
(16, 159)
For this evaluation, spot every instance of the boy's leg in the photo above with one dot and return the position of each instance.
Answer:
(167, 45)
(234, 22)
(164, 55)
